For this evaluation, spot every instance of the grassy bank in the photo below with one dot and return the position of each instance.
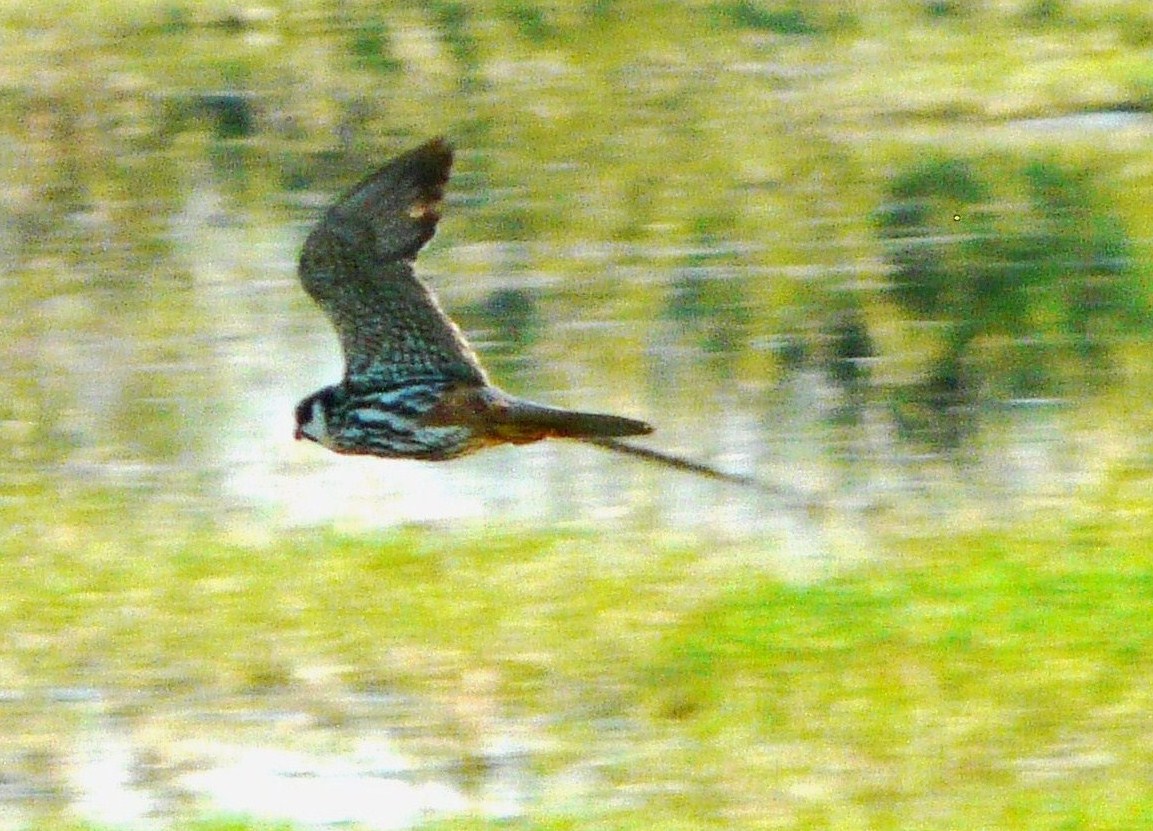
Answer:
(991, 679)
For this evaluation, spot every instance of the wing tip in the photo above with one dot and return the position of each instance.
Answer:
(433, 167)
(435, 157)
(439, 145)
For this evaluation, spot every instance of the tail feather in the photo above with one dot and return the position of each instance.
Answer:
(523, 421)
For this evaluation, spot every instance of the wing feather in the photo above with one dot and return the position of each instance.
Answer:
(357, 265)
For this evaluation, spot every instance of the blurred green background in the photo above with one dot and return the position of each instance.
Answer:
(895, 255)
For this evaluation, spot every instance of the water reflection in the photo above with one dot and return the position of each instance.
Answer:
(159, 338)
(168, 359)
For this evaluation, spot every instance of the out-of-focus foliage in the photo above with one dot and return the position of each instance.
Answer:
(1026, 274)
(1020, 658)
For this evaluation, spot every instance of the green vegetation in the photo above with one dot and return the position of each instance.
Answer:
(995, 678)
(1030, 285)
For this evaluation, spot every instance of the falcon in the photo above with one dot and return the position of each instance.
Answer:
(413, 388)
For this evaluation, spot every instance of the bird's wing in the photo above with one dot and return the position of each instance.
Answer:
(357, 266)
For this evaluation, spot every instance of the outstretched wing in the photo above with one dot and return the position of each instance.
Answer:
(357, 265)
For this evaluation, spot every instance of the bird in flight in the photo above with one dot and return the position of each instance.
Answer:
(413, 388)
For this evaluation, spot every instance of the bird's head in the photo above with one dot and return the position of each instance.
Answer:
(312, 416)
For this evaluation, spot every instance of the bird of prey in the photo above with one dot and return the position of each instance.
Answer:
(413, 388)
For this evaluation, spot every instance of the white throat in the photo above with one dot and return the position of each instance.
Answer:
(316, 428)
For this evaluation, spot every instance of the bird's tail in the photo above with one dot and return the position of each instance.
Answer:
(500, 417)
(524, 421)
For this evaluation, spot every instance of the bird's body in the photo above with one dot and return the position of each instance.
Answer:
(412, 387)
